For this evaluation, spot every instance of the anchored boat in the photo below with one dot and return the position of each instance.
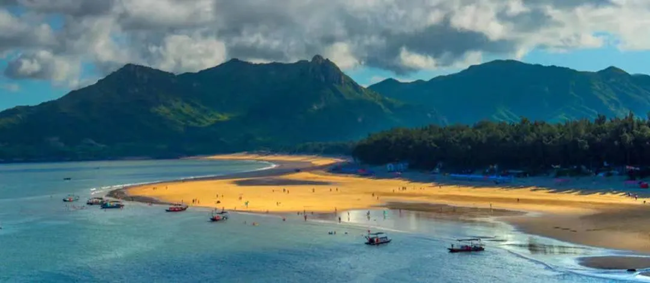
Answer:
(219, 216)
(177, 207)
(376, 239)
(95, 201)
(472, 245)
(71, 198)
(112, 204)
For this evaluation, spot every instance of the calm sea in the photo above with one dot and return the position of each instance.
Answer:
(43, 240)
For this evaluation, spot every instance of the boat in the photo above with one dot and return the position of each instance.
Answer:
(177, 207)
(377, 238)
(112, 204)
(473, 245)
(71, 198)
(219, 216)
(95, 201)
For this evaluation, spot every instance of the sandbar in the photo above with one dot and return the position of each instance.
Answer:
(601, 217)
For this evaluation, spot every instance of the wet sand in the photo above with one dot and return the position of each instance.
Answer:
(616, 262)
(448, 212)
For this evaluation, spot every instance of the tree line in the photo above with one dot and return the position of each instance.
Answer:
(524, 145)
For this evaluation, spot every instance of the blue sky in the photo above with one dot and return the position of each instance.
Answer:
(83, 37)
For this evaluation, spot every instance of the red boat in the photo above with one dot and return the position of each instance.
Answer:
(219, 216)
(177, 208)
(474, 245)
(376, 239)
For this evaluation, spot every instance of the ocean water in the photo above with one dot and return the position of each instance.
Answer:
(43, 240)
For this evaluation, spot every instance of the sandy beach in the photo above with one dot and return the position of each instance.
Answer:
(589, 211)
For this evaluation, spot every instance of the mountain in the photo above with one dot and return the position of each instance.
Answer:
(505, 90)
(140, 111)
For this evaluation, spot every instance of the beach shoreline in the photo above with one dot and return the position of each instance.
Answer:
(303, 184)
(277, 168)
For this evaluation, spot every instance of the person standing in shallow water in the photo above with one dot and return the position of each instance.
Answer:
(305, 217)
(339, 219)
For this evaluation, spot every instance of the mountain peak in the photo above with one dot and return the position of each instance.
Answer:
(131, 68)
(326, 71)
(611, 70)
(389, 81)
(236, 61)
(317, 59)
(128, 67)
(131, 72)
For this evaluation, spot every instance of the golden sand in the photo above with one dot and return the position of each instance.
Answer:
(592, 219)
(345, 192)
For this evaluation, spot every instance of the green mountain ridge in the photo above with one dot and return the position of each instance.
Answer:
(237, 106)
(505, 90)
(141, 111)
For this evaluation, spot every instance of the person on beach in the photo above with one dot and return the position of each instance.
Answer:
(339, 219)
(305, 217)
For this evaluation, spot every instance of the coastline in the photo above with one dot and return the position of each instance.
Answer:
(592, 219)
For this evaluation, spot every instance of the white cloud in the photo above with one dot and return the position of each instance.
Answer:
(183, 53)
(395, 35)
(42, 64)
(416, 61)
(10, 87)
(341, 54)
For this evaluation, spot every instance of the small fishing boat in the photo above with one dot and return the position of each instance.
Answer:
(376, 239)
(112, 204)
(177, 207)
(219, 216)
(95, 201)
(71, 198)
(473, 245)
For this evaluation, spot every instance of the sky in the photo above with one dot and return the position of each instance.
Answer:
(50, 47)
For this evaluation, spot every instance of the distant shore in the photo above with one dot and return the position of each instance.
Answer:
(595, 215)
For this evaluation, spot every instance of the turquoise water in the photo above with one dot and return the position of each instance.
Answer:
(42, 240)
